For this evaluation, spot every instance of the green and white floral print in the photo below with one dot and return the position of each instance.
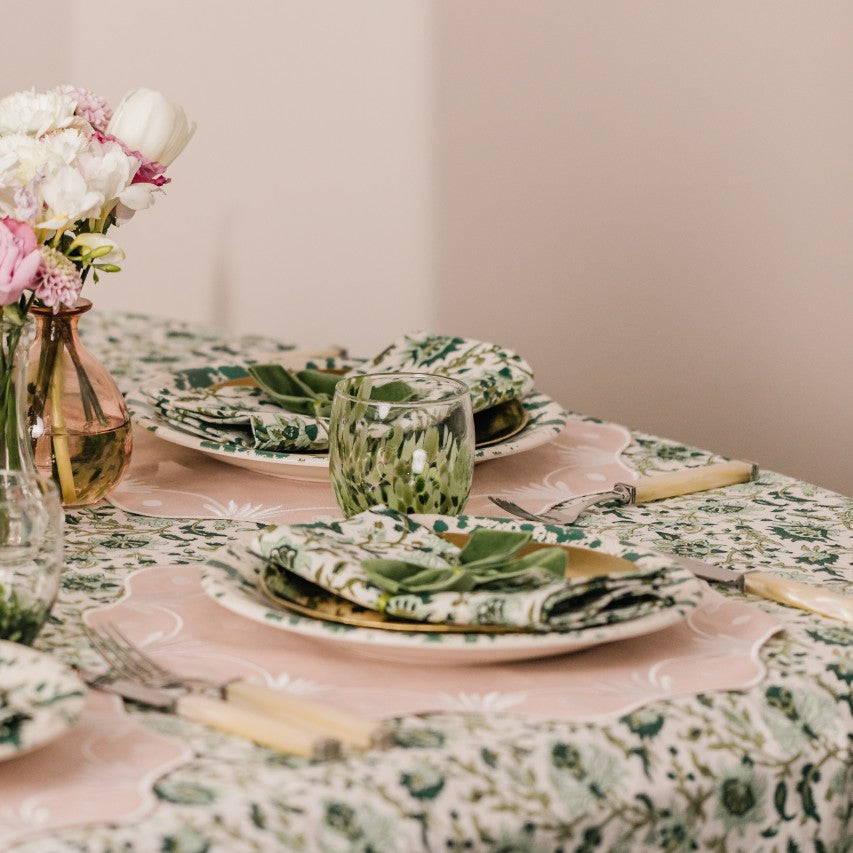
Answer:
(492, 373)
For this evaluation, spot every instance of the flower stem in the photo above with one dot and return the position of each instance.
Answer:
(61, 452)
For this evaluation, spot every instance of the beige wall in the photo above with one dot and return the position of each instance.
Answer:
(652, 201)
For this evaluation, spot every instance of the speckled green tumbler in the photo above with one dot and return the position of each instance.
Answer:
(403, 440)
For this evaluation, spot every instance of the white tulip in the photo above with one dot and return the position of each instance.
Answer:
(148, 122)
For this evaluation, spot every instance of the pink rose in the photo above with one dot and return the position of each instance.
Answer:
(19, 259)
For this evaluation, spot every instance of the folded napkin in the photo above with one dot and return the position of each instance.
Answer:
(387, 562)
(288, 411)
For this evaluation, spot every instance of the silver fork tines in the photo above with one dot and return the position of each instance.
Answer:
(128, 661)
(567, 511)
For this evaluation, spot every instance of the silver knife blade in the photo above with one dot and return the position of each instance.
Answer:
(152, 696)
(709, 572)
(813, 597)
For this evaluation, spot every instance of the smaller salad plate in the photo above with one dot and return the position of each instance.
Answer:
(40, 699)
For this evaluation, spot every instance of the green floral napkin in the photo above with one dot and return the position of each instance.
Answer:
(386, 561)
(288, 410)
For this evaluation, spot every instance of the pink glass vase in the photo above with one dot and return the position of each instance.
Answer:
(78, 419)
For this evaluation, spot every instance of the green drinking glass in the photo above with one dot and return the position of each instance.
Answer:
(405, 440)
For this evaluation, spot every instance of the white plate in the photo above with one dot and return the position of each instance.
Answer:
(547, 420)
(40, 699)
(230, 580)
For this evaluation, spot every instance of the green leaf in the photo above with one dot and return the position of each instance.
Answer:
(804, 789)
(495, 570)
(392, 392)
(500, 544)
(780, 795)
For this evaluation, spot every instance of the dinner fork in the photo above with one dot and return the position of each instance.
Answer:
(569, 510)
(129, 661)
(699, 478)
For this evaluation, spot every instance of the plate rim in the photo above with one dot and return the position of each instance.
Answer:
(314, 467)
(53, 720)
(449, 649)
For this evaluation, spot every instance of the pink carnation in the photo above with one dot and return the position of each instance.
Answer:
(149, 171)
(90, 106)
(19, 259)
(58, 281)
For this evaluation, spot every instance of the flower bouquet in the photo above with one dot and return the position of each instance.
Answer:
(70, 169)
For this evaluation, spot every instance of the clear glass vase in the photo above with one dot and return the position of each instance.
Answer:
(31, 520)
(31, 553)
(79, 421)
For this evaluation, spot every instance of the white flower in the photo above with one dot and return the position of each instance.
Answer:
(68, 198)
(27, 164)
(92, 241)
(107, 170)
(22, 158)
(64, 146)
(35, 113)
(148, 122)
(135, 197)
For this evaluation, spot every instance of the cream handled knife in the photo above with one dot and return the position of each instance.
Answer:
(806, 596)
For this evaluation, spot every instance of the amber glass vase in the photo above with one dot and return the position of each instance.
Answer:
(78, 419)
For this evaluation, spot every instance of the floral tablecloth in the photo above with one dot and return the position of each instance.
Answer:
(767, 768)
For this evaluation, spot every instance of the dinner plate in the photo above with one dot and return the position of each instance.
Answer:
(547, 418)
(40, 699)
(231, 580)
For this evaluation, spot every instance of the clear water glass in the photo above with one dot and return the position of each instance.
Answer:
(31, 553)
(403, 440)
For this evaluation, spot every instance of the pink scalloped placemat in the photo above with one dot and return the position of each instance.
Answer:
(100, 771)
(166, 611)
(168, 481)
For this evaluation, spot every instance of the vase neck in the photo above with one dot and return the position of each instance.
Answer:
(43, 312)
(16, 451)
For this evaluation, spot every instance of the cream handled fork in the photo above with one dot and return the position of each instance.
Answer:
(242, 707)
(645, 489)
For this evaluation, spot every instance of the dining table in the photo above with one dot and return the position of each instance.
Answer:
(727, 728)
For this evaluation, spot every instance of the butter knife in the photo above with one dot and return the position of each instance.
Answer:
(226, 716)
(806, 596)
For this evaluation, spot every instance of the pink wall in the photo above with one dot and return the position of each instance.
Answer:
(652, 201)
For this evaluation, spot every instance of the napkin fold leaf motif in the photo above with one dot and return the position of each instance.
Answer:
(487, 561)
(308, 392)
(332, 555)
